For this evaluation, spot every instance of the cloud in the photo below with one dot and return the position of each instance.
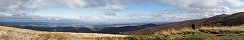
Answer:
(195, 9)
(11, 5)
(29, 5)
(110, 7)
(185, 9)
(18, 5)
(23, 17)
(111, 10)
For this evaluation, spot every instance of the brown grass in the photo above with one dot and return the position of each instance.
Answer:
(9, 33)
(203, 33)
(215, 33)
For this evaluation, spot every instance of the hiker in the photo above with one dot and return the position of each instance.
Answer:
(193, 26)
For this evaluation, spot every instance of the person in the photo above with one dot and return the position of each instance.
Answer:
(193, 26)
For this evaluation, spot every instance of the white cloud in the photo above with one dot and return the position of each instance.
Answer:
(186, 9)
(195, 9)
(112, 9)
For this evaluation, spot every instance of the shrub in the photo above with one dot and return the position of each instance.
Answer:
(192, 37)
(147, 37)
(183, 35)
(189, 35)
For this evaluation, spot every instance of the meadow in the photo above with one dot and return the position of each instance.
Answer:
(203, 33)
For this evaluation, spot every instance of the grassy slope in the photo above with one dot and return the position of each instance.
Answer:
(9, 33)
(219, 20)
(204, 33)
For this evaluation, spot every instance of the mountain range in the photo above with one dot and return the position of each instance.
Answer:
(218, 20)
(62, 27)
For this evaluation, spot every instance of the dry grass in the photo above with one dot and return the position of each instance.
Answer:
(239, 28)
(173, 31)
(223, 29)
(215, 33)
(228, 28)
(203, 33)
(9, 33)
(183, 34)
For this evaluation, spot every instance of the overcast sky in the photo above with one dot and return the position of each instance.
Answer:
(114, 11)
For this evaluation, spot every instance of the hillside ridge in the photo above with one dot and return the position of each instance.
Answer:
(219, 20)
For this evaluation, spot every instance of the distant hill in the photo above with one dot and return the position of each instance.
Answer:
(115, 30)
(219, 20)
(59, 29)
(79, 29)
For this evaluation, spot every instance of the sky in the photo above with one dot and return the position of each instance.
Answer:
(114, 11)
